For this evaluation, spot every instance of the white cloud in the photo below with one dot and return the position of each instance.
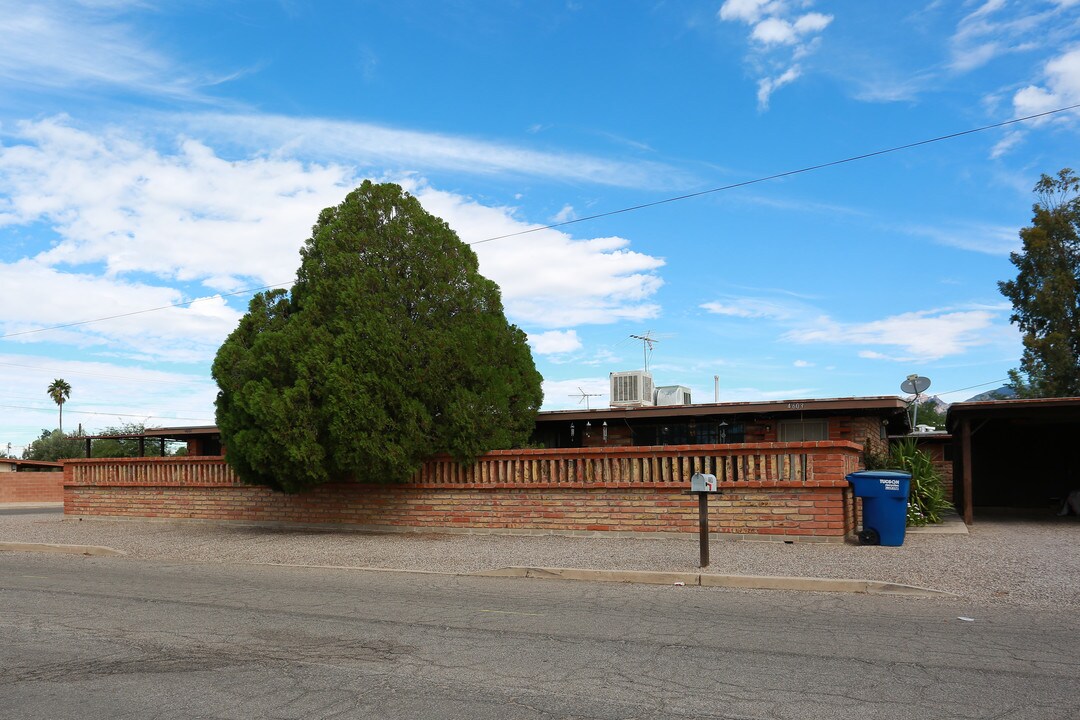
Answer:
(777, 31)
(923, 335)
(34, 295)
(717, 308)
(812, 22)
(401, 150)
(753, 394)
(1006, 144)
(81, 45)
(555, 342)
(63, 45)
(103, 394)
(976, 237)
(874, 355)
(548, 279)
(567, 213)
(774, 31)
(803, 364)
(754, 307)
(191, 216)
(603, 357)
(566, 394)
(1033, 100)
(996, 28)
(889, 86)
(782, 35)
(749, 11)
(1061, 86)
(767, 86)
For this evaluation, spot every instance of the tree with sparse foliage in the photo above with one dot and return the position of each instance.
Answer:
(60, 391)
(55, 445)
(930, 414)
(117, 442)
(390, 348)
(1046, 292)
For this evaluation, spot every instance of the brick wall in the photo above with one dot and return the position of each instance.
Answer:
(865, 431)
(791, 490)
(936, 450)
(31, 487)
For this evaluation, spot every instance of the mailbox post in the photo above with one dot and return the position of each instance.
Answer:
(703, 485)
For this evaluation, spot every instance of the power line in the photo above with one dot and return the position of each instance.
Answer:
(972, 387)
(776, 176)
(37, 401)
(140, 312)
(609, 213)
(55, 372)
(110, 414)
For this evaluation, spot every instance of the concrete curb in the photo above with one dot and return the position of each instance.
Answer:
(657, 577)
(641, 577)
(92, 550)
(746, 582)
(950, 525)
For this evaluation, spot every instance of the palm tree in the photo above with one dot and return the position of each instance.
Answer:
(60, 391)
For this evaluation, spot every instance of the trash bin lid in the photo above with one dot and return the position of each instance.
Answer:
(898, 474)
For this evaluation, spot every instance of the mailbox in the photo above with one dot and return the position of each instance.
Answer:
(703, 482)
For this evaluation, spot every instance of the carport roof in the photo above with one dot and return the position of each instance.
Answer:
(181, 432)
(1042, 409)
(965, 419)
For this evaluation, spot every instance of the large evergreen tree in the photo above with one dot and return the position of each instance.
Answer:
(391, 347)
(1046, 292)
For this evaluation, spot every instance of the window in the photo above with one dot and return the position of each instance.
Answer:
(803, 430)
(695, 432)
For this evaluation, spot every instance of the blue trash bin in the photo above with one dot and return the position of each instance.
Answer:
(885, 501)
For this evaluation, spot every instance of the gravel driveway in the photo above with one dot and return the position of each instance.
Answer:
(1028, 561)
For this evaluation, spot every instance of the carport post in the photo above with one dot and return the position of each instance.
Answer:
(965, 464)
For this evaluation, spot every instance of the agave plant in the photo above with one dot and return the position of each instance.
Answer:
(927, 502)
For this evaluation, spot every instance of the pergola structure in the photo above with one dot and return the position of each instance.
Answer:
(201, 440)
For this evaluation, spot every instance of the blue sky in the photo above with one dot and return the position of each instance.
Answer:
(154, 153)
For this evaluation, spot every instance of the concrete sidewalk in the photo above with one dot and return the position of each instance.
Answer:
(1015, 561)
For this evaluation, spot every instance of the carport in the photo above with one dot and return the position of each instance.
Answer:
(1015, 453)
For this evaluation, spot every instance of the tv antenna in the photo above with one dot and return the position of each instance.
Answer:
(647, 341)
(915, 384)
(583, 397)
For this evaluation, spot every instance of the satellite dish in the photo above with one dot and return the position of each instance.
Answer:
(915, 384)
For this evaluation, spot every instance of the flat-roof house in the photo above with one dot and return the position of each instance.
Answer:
(867, 421)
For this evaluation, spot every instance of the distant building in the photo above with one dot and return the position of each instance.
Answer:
(13, 465)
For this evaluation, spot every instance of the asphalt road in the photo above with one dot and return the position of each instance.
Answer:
(57, 510)
(117, 638)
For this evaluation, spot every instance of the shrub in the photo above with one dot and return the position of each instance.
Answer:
(927, 502)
